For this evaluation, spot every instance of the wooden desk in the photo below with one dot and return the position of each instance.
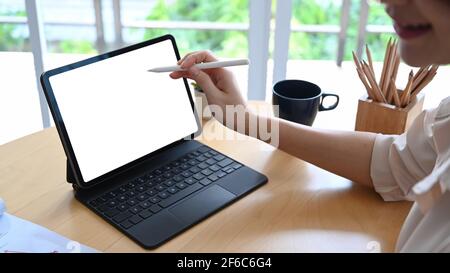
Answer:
(301, 209)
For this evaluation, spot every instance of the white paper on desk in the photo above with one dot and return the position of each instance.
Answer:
(20, 236)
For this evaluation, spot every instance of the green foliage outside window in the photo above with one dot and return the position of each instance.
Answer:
(9, 40)
(235, 43)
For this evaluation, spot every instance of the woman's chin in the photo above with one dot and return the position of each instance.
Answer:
(415, 57)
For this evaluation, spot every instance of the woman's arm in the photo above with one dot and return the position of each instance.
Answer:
(347, 154)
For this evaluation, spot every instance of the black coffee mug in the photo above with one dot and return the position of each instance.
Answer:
(299, 101)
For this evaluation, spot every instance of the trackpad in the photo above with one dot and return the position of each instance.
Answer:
(202, 204)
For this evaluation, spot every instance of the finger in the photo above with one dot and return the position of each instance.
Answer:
(185, 56)
(202, 79)
(198, 57)
(179, 74)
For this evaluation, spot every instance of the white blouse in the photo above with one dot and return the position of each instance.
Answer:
(416, 166)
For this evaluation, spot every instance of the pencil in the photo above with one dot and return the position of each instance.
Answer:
(369, 58)
(406, 93)
(389, 67)
(396, 98)
(425, 81)
(386, 58)
(375, 88)
(366, 84)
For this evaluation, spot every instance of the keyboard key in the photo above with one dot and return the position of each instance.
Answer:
(154, 199)
(112, 203)
(208, 155)
(135, 209)
(167, 175)
(126, 224)
(195, 169)
(177, 178)
(219, 157)
(130, 185)
(155, 208)
(160, 188)
(192, 162)
(180, 195)
(237, 166)
(167, 168)
(203, 165)
(177, 170)
(112, 212)
(207, 172)
(205, 181)
(172, 190)
(214, 168)
(145, 214)
(227, 168)
(190, 180)
(157, 172)
(135, 219)
(169, 183)
(131, 193)
(198, 176)
(225, 162)
(201, 158)
(122, 217)
(149, 176)
(151, 184)
(163, 195)
(151, 192)
(122, 198)
(220, 174)
(186, 174)
(141, 188)
(158, 180)
(203, 149)
(181, 185)
(132, 202)
(122, 207)
(141, 197)
(213, 177)
(230, 170)
(195, 154)
(211, 161)
(185, 166)
(145, 204)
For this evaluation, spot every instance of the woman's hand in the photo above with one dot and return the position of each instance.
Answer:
(218, 84)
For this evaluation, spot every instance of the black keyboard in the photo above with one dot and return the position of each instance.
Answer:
(148, 194)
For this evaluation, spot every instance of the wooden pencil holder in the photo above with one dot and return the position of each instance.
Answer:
(384, 118)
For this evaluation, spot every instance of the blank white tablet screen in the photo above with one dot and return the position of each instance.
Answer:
(116, 112)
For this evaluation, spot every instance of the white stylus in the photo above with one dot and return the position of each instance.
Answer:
(201, 66)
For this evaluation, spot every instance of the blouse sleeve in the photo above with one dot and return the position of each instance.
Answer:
(400, 161)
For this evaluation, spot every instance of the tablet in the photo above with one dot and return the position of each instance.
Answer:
(111, 113)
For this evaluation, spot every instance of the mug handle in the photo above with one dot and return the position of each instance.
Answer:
(324, 95)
